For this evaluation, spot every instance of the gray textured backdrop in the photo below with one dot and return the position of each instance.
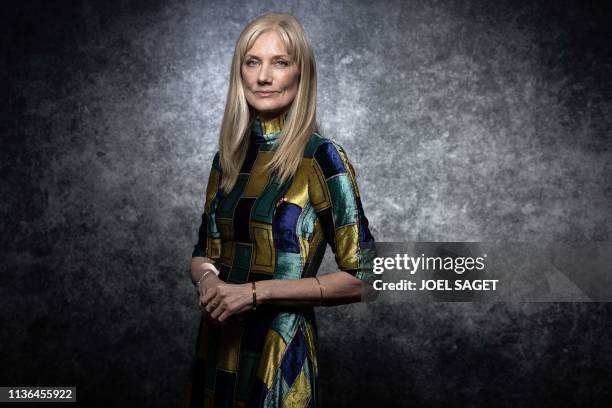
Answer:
(470, 121)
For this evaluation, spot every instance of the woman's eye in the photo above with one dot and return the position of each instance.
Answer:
(250, 63)
(282, 63)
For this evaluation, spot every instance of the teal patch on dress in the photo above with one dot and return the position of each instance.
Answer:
(277, 393)
(367, 253)
(288, 265)
(241, 264)
(286, 325)
(213, 232)
(344, 209)
(265, 205)
(306, 222)
(228, 204)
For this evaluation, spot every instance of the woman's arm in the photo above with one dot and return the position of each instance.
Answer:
(337, 288)
(230, 299)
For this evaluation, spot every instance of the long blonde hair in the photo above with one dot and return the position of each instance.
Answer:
(301, 121)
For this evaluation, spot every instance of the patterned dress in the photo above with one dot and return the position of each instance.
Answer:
(266, 230)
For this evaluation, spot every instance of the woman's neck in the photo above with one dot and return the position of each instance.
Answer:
(271, 123)
(269, 116)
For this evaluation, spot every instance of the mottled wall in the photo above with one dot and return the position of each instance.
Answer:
(470, 121)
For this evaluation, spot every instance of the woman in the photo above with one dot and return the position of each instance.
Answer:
(277, 194)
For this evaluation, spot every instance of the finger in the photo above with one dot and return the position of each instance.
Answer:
(214, 303)
(224, 316)
(221, 316)
(205, 297)
(221, 308)
(209, 302)
(202, 302)
(210, 319)
(203, 310)
(210, 307)
(208, 296)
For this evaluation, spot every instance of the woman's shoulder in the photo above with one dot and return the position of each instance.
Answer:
(217, 160)
(322, 148)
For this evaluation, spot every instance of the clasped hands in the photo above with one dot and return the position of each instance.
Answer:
(220, 300)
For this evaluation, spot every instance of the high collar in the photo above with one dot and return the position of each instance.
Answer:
(267, 131)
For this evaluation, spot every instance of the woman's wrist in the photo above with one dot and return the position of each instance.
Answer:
(204, 270)
(262, 292)
(207, 273)
(254, 291)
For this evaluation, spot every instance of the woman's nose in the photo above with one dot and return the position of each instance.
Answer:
(264, 75)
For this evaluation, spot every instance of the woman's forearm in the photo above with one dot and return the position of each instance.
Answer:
(338, 288)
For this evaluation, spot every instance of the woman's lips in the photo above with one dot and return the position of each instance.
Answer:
(264, 93)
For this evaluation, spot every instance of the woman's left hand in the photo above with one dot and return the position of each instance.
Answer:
(221, 300)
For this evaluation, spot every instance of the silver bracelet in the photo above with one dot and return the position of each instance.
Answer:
(203, 276)
(209, 267)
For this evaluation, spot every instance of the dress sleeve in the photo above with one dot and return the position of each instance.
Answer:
(335, 197)
(209, 241)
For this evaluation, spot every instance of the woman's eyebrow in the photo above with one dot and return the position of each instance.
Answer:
(274, 56)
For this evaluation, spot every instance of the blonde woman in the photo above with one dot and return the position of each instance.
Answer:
(278, 193)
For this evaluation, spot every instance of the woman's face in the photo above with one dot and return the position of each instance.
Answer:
(269, 75)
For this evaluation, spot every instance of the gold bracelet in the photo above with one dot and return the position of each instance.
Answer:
(254, 297)
(320, 289)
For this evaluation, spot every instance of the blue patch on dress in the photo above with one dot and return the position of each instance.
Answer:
(284, 227)
(329, 160)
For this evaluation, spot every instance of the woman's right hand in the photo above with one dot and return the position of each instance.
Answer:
(209, 283)
(222, 301)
